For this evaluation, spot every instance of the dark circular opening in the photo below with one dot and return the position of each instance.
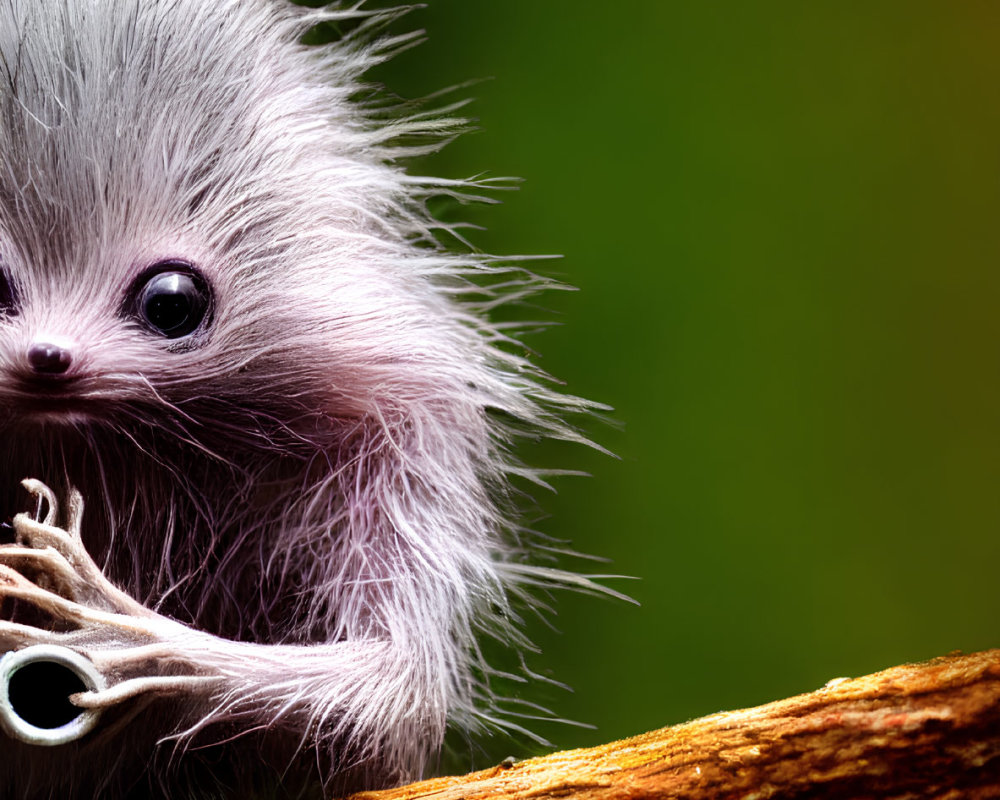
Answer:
(39, 694)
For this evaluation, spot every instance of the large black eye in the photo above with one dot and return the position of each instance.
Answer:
(173, 301)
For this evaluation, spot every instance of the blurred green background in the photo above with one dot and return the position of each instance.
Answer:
(782, 219)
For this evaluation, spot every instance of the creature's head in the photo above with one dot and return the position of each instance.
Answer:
(224, 311)
(195, 237)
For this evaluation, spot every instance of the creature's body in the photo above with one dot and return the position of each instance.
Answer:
(227, 323)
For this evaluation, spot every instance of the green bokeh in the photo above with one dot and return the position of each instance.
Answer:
(782, 218)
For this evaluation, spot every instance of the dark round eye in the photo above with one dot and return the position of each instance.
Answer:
(173, 301)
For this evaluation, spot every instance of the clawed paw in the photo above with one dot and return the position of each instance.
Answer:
(53, 593)
(55, 558)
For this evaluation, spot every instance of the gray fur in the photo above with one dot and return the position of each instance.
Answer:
(317, 485)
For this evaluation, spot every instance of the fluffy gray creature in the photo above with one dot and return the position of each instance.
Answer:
(228, 321)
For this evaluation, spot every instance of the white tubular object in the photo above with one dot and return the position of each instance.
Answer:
(29, 721)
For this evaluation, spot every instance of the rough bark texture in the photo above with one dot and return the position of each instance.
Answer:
(915, 731)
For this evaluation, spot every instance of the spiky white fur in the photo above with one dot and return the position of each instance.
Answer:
(317, 487)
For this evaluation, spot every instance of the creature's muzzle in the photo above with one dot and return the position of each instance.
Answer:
(35, 687)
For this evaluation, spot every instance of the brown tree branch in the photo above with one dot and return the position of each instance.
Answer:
(916, 731)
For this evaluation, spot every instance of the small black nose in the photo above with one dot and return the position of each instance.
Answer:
(49, 359)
